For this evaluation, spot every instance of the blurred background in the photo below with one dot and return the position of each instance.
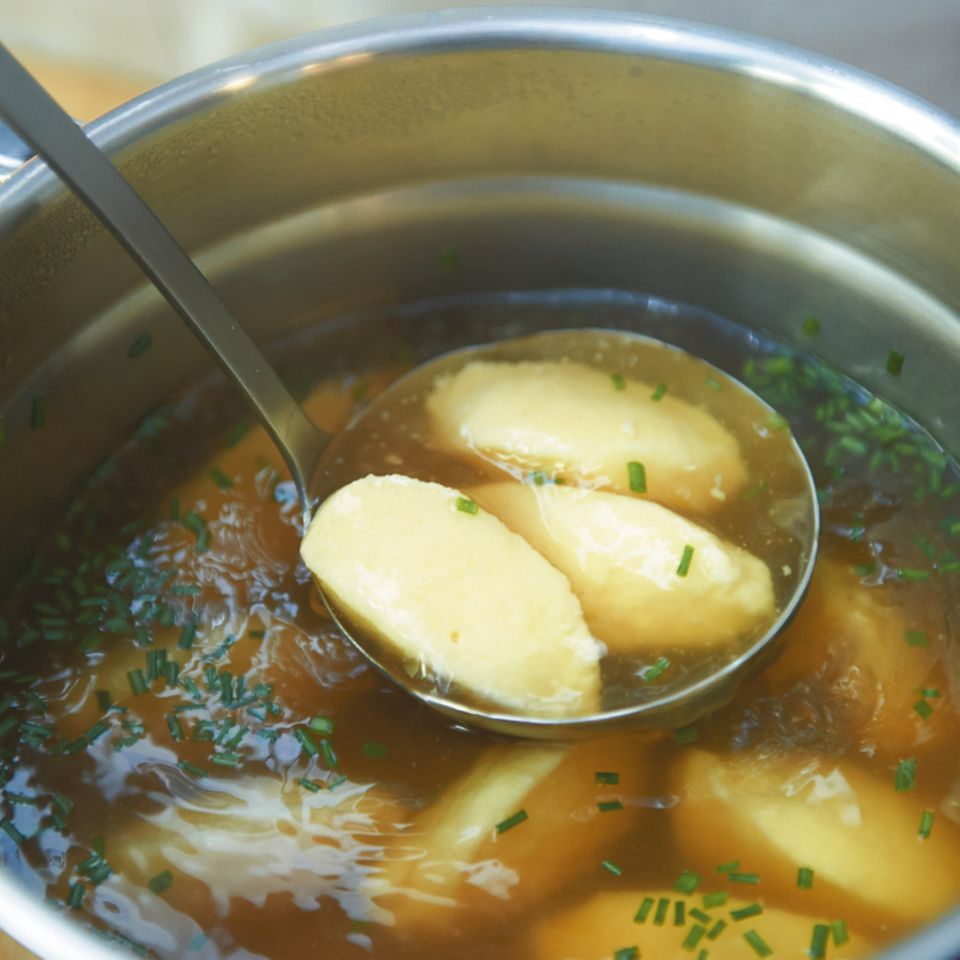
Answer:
(94, 54)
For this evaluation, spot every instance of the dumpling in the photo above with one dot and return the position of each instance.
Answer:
(566, 418)
(450, 590)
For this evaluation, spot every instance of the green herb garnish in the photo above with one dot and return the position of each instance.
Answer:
(744, 912)
(818, 941)
(894, 363)
(906, 775)
(465, 505)
(924, 709)
(140, 345)
(687, 882)
(811, 325)
(694, 936)
(619, 383)
(504, 825)
(650, 673)
(751, 878)
(916, 638)
(757, 942)
(714, 384)
(716, 899)
(374, 750)
(160, 882)
(643, 911)
(686, 735)
(310, 785)
(138, 682)
(637, 477)
(684, 568)
(659, 393)
(626, 953)
(716, 929)
(78, 891)
(322, 725)
(606, 806)
(679, 913)
(611, 867)
(805, 878)
(220, 479)
(606, 777)
(663, 904)
(926, 824)
(838, 928)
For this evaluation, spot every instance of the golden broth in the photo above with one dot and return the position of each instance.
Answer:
(195, 761)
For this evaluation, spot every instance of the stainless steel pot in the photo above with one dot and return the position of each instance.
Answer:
(563, 149)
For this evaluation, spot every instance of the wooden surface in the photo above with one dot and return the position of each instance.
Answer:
(85, 94)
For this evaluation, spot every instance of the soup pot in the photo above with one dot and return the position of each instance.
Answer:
(474, 152)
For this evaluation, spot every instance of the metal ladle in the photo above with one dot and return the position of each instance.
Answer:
(40, 121)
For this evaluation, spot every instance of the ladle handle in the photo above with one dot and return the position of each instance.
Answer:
(39, 120)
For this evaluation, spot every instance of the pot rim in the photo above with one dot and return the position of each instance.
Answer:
(859, 94)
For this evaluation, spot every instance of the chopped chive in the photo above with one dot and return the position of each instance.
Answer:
(140, 345)
(926, 824)
(650, 673)
(818, 941)
(924, 709)
(191, 768)
(643, 911)
(912, 574)
(220, 479)
(327, 751)
(160, 882)
(811, 325)
(744, 912)
(611, 867)
(906, 775)
(804, 878)
(663, 904)
(104, 701)
(78, 891)
(838, 929)
(504, 825)
(687, 882)
(757, 942)
(138, 682)
(374, 750)
(619, 383)
(322, 725)
(12, 832)
(685, 561)
(694, 936)
(38, 413)
(176, 729)
(894, 363)
(930, 692)
(606, 777)
(752, 878)
(754, 491)
(226, 758)
(197, 525)
(716, 899)
(606, 806)
(916, 638)
(716, 929)
(188, 633)
(714, 384)
(637, 477)
(698, 914)
(685, 734)
(777, 421)
(310, 785)
(627, 953)
(95, 732)
(679, 913)
(466, 505)
(659, 393)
